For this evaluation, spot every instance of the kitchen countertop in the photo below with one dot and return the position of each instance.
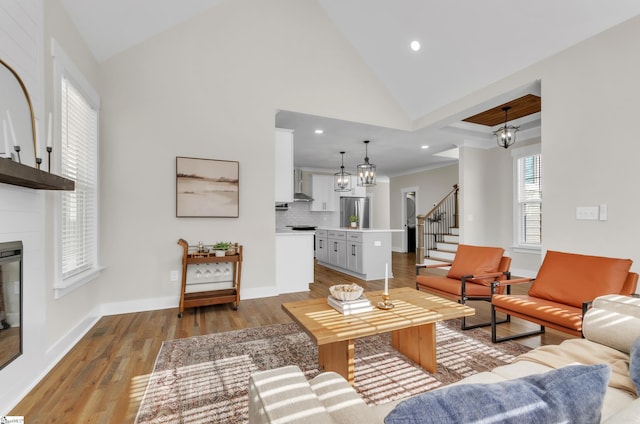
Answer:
(280, 231)
(363, 230)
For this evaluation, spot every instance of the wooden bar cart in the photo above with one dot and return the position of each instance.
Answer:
(210, 297)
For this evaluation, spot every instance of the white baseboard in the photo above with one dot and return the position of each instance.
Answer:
(139, 305)
(54, 354)
(258, 292)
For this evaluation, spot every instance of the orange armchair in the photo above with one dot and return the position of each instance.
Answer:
(562, 292)
(472, 272)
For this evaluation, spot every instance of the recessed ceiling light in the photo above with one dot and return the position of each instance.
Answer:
(415, 45)
(319, 131)
(424, 147)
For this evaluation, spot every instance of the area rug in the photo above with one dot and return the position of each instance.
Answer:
(204, 379)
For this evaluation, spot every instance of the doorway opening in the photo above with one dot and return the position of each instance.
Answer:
(409, 206)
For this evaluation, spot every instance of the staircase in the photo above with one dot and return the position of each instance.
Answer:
(444, 250)
(438, 231)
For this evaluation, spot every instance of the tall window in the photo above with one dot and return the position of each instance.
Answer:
(79, 140)
(528, 208)
(77, 117)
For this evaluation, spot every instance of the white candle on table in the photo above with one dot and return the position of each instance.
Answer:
(386, 278)
(49, 131)
(13, 133)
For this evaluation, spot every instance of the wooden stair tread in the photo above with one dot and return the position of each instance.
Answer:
(442, 250)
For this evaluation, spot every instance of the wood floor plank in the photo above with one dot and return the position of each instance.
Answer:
(102, 379)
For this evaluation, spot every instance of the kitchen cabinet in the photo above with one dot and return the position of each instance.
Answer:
(324, 197)
(294, 261)
(354, 252)
(322, 246)
(283, 165)
(337, 241)
(361, 253)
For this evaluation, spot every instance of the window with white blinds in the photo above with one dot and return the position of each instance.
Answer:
(529, 199)
(79, 141)
(76, 114)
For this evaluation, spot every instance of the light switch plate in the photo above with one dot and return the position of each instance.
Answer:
(587, 212)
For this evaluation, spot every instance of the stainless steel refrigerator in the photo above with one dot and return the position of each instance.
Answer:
(358, 206)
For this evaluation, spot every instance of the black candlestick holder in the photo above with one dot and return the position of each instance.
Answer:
(38, 162)
(49, 149)
(17, 149)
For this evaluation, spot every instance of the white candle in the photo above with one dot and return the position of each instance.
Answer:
(49, 131)
(13, 133)
(386, 278)
(6, 138)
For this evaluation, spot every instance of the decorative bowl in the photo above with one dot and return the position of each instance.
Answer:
(346, 292)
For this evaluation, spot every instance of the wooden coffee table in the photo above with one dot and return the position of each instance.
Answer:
(411, 323)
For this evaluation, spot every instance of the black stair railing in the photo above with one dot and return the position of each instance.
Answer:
(434, 225)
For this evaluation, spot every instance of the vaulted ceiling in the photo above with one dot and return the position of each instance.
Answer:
(466, 45)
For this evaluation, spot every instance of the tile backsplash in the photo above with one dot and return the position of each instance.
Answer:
(299, 214)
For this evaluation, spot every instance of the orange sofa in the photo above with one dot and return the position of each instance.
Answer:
(472, 271)
(562, 292)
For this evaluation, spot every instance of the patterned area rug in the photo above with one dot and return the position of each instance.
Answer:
(205, 378)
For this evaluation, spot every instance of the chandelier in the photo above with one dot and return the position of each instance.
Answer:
(342, 179)
(366, 170)
(506, 135)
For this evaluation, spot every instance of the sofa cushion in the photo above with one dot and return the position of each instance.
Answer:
(614, 321)
(630, 414)
(571, 279)
(475, 260)
(340, 400)
(634, 364)
(571, 394)
(283, 395)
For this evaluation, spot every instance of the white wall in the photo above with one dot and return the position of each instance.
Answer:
(209, 89)
(588, 156)
(380, 204)
(473, 162)
(50, 327)
(22, 210)
(486, 180)
(432, 186)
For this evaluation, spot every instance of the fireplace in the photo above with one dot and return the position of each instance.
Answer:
(10, 301)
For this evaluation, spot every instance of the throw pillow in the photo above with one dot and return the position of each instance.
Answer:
(571, 394)
(634, 364)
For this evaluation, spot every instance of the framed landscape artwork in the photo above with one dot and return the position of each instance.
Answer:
(207, 188)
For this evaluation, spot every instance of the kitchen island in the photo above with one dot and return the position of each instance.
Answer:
(361, 253)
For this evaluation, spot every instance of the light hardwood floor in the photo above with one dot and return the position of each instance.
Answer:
(102, 379)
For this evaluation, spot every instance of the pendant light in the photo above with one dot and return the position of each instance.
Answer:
(506, 136)
(342, 179)
(366, 170)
